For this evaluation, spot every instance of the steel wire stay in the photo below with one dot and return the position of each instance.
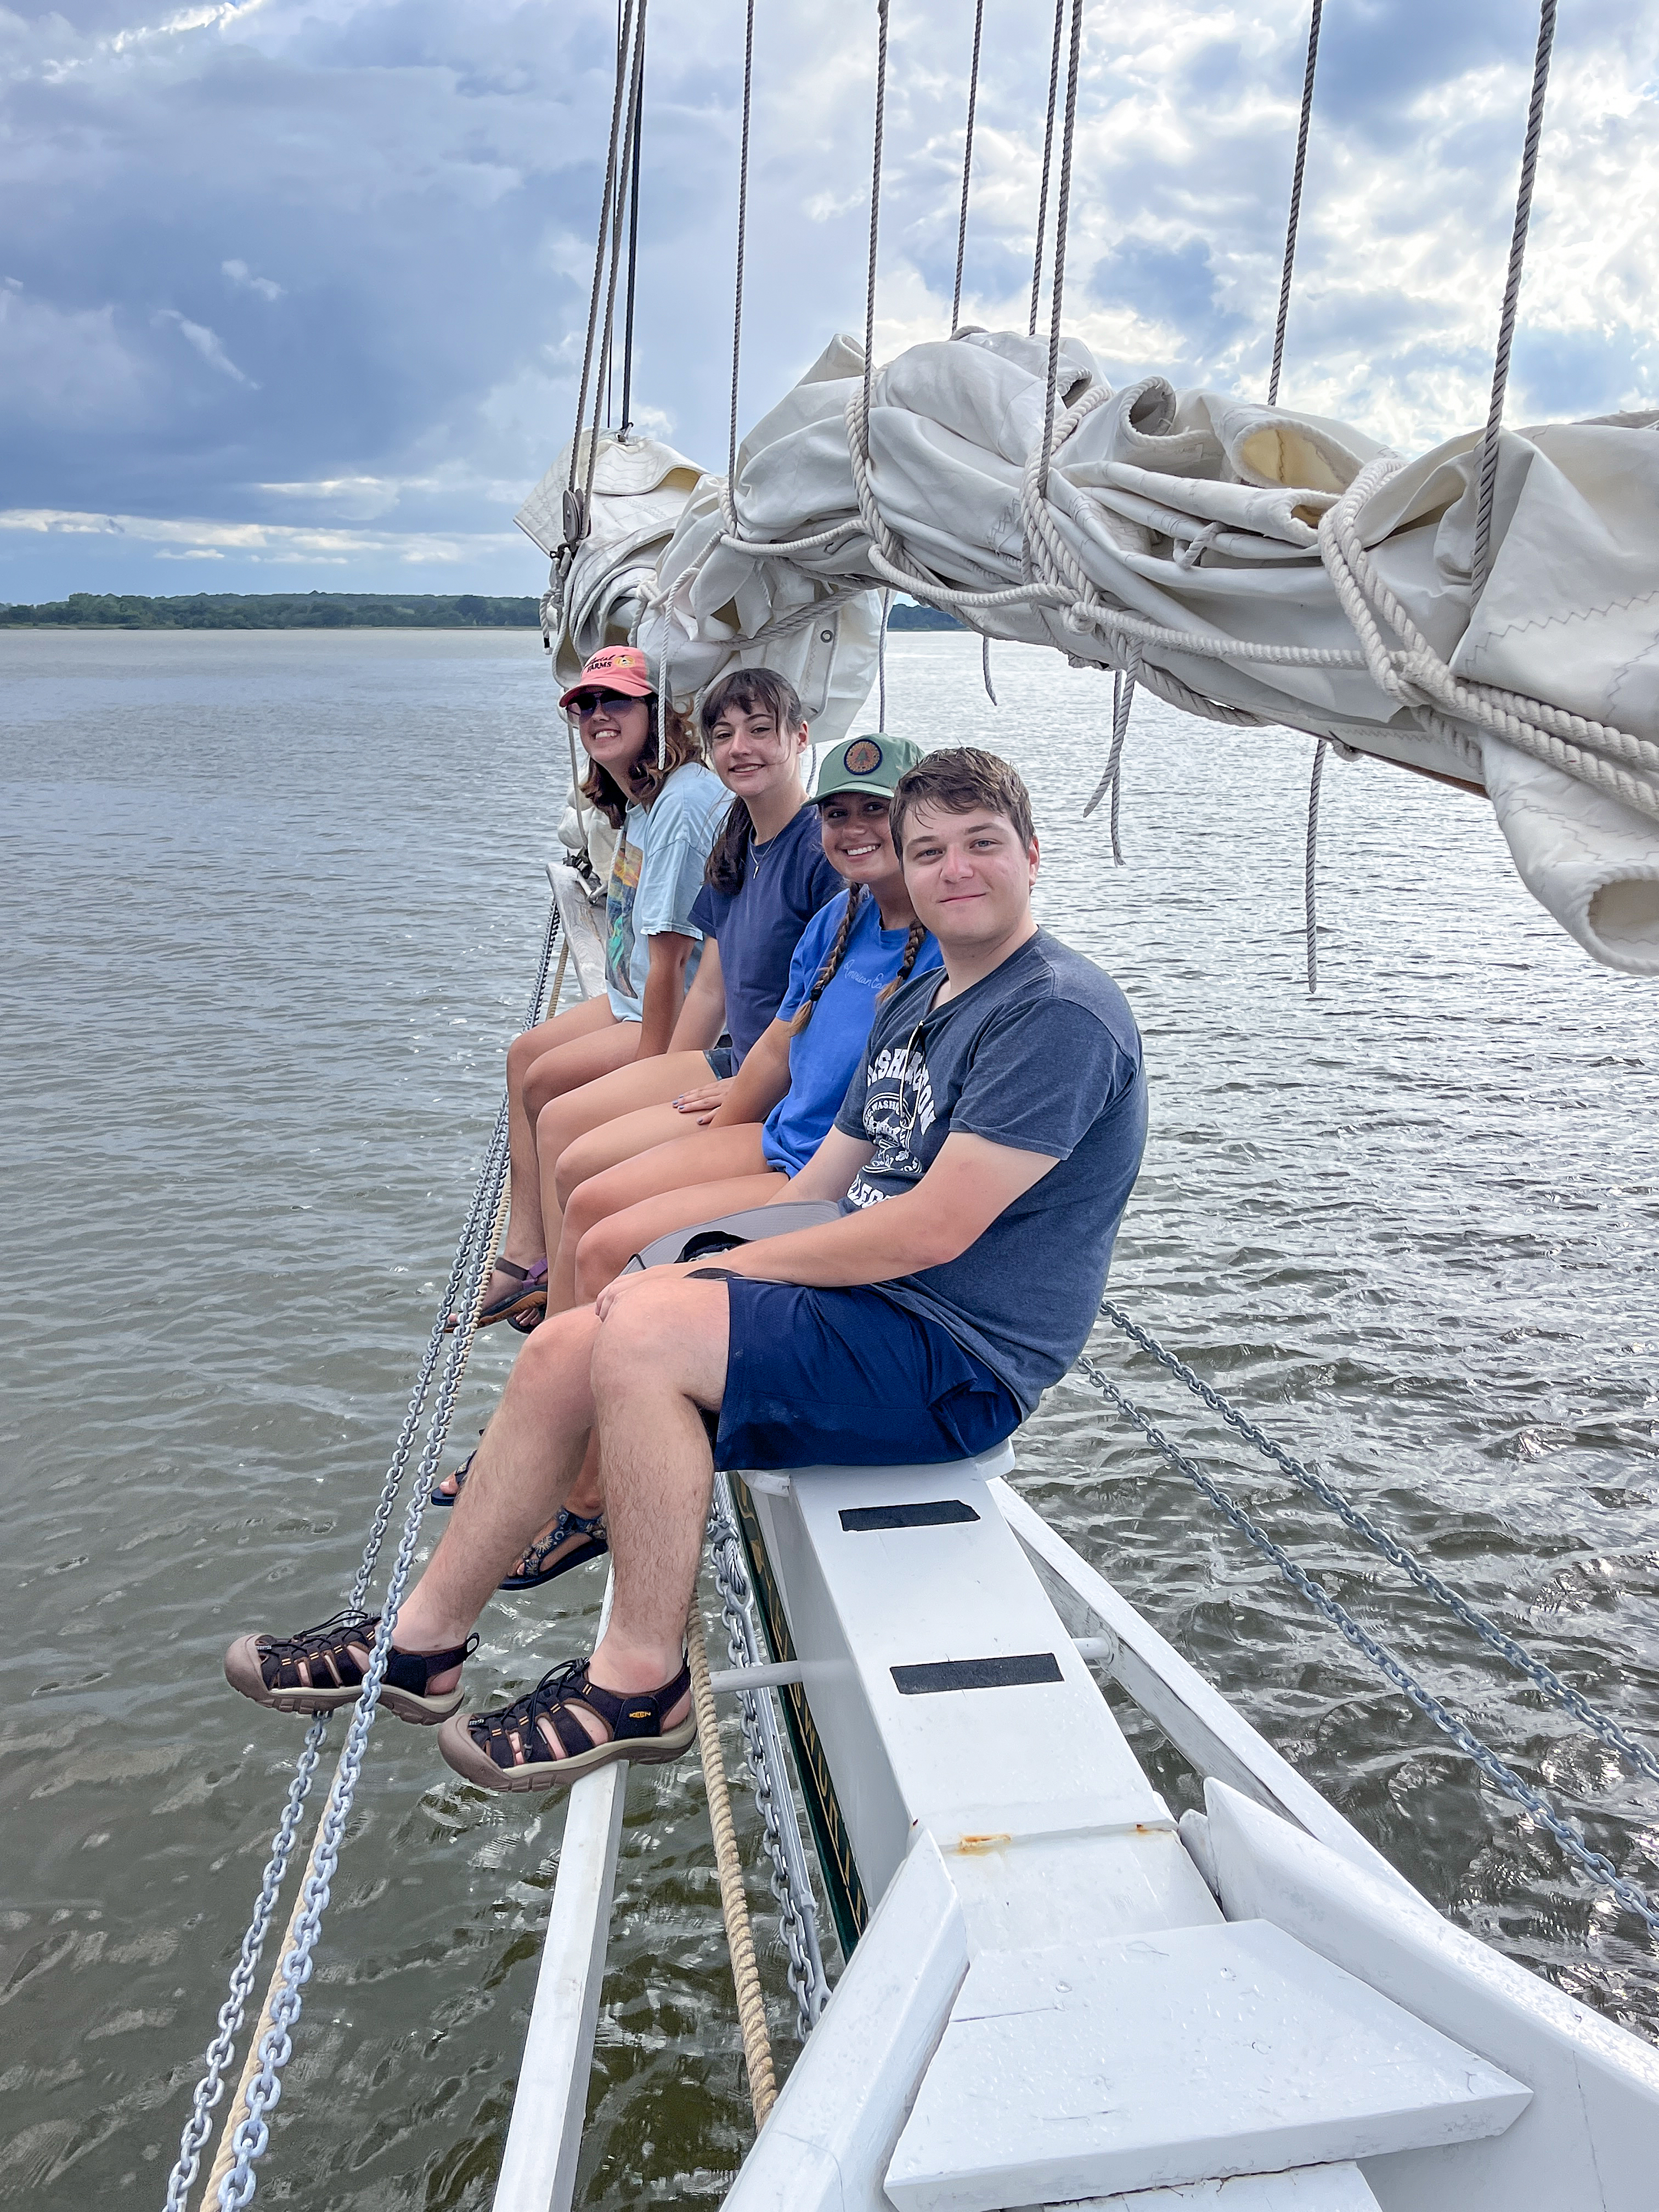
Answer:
(1542, 1677)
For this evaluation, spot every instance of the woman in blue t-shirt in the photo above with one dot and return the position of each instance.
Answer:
(766, 878)
(771, 1119)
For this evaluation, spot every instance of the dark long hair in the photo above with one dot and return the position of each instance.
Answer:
(680, 744)
(837, 953)
(755, 692)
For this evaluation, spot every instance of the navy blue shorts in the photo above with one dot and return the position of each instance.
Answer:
(849, 1378)
(722, 1060)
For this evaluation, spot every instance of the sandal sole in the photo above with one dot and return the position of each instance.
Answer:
(242, 1673)
(596, 1551)
(475, 1765)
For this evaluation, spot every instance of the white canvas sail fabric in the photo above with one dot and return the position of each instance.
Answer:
(1253, 564)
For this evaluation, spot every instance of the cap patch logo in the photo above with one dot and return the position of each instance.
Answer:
(863, 757)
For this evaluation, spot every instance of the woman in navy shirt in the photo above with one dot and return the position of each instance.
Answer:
(767, 877)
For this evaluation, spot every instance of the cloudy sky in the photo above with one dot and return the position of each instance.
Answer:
(292, 292)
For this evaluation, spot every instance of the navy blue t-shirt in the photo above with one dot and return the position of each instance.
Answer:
(1041, 1055)
(757, 926)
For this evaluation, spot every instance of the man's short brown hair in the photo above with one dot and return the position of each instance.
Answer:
(958, 781)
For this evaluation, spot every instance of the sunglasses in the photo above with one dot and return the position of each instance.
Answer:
(589, 702)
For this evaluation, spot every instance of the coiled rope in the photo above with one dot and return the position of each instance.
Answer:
(271, 2046)
(1542, 1677)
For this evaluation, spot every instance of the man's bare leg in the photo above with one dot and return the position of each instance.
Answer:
(650, 1377)
(526, 1469)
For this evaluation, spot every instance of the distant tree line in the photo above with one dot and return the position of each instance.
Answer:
(275, 610)
(323, 610)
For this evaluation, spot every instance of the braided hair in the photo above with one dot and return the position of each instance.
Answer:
(837, 953)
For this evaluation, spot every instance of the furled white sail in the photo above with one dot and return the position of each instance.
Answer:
(1254, 565)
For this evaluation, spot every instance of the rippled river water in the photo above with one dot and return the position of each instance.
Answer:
(271, 907)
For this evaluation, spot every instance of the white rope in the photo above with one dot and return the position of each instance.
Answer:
(967, 164)
(1310, 918)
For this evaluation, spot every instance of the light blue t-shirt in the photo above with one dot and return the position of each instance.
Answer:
(655, 879)
(823, 1058)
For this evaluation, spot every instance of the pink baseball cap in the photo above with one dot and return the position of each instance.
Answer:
(615, 668)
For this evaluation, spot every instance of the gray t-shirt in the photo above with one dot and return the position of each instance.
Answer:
(1041, 1055)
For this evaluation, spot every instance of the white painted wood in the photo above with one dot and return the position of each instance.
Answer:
(1308, 2189)
(1589, 2142)
(832, 2133)
(1196, 1717)
(549, 2102)
(580, 928)
(1188, 2055)
(1036, 1759)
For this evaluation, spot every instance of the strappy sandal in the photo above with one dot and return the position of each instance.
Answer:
(530, 1297)
(486, 1749)
(539, 1566)
(267, 1669)
(441, 1497)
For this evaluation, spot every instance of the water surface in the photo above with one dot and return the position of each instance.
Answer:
(272, 904)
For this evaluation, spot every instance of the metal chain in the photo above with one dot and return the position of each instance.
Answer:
(1541, 1676)
(1296, 203)
(1570, 1838)
(1500, 367)
(1310, 919)
(219, 2051)
(967, 164)
(791, 1884)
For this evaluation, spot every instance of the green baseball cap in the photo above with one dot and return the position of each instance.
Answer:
(873, 765)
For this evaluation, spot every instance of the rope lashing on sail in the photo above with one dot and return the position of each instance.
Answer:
(1543, 1677)
(468, 1274)
(967, 164)
(1295, 215)
(1570, 1836)
(1047, 157)
(1500, 369)
(1310, 920)
(734, 1903)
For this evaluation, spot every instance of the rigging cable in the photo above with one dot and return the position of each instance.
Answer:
(1500, 368)
(737, 288)
(967, 164)
(575, 517)
(1062, 212)
(1047, 154)
(635, 83)
(633, 252)
(1310, 918)
(1296, 203)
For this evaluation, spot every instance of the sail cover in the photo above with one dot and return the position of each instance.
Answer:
(1257, 566)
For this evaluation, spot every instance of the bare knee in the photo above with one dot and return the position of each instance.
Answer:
(561, 1346)
(602, 1252)
(581, 1202)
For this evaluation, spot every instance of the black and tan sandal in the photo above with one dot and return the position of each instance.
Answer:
(527, 1297)
(317, 1671)
(511, 1749)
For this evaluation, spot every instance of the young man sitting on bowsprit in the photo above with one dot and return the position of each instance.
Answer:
(981, 1161)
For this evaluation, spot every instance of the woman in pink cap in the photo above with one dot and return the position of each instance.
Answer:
(647, 776)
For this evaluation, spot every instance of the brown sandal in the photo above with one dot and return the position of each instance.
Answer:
(491, 1749)
(268, 1670)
